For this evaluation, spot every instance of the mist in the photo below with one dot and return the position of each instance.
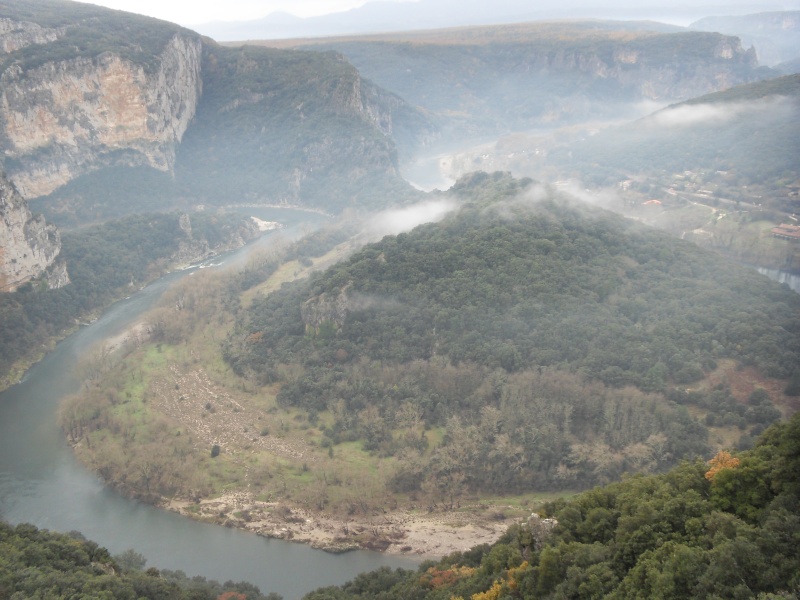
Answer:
(384, 16)
(400, 220)
(691, 115)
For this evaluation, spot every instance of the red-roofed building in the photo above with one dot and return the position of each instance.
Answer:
(786, 231)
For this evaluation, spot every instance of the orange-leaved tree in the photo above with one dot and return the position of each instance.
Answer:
(723, 460)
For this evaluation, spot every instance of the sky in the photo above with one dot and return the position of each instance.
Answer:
(194, 12)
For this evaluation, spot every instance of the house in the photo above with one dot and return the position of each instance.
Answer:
(787, 231)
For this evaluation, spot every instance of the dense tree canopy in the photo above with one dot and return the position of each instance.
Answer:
(676, 535)
(36, 563)
(103, 261)
(540, 335)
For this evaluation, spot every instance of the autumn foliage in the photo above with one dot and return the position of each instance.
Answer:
(435, 578)
(723, 460)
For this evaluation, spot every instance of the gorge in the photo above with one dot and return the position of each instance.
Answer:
(38, 471)
(515, 349)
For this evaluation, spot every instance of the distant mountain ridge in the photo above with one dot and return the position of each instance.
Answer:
(775, 35)
(387, 16)
(103, 113)
(489, 81)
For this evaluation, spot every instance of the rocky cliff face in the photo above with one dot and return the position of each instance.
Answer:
(193, 248)
(774, 35)
(291, 128)
(650, 74)
(15, 35)
(68, 117)
(28, 246)
(548, 77)
(325, 309)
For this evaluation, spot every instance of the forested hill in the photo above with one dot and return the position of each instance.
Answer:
(787, 86)
(729, 529)
(512, 282)
(541, 335)
(750, 132)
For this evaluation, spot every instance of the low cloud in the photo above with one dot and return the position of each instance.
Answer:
(689, 115)
(605, 198)
(400, 220)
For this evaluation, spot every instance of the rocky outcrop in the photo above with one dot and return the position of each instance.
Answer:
(57, 276)
(15, 35)
(774, 35)
(325, 308)
(69, 117)
(193, 248)
(28, 246)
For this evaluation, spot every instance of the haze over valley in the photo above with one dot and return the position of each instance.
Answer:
(478, 284)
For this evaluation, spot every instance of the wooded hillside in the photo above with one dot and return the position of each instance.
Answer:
(37, 563)
(728, 529)
(554, 343)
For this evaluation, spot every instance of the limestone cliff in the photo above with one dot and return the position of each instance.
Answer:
(494, 80)
(28, 246)
(325, 309)
(292, 128)
(194, 247)
(656, 69)
(67, 117)
(15, 35)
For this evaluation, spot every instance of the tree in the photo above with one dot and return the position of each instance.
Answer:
(130, 560)
(723, 460)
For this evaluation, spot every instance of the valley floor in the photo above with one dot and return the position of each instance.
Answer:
(183, 394)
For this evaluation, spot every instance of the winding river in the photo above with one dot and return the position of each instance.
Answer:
(42, 483)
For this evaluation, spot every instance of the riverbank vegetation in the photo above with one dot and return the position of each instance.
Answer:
(106, 262)
(728, 529)
(724, 528)
(520, 346)
(37, 563)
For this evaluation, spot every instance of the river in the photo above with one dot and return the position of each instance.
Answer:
(42, 483)
(790, 279)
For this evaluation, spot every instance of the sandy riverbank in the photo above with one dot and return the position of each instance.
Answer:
(427, 535)
(183, 395)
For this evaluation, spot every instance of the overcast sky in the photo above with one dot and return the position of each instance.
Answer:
(193, 12)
